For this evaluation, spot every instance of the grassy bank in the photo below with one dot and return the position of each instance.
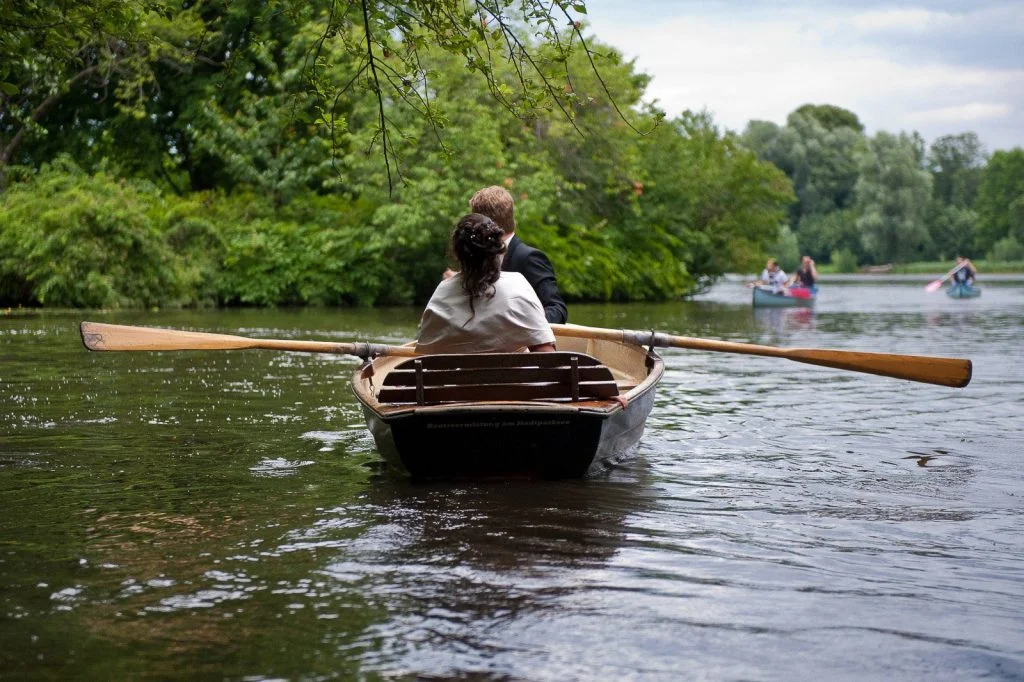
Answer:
(939, 267)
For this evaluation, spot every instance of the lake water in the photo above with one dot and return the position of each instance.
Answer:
(224, 514)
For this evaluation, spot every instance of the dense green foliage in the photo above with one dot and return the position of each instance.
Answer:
(885, 198)
(285, 153)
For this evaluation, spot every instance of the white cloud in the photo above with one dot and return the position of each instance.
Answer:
(907, 20)
(962, 113)
(743, 66)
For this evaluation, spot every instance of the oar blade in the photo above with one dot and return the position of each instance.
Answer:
(933, 286)
(954, 372)
(117, 337)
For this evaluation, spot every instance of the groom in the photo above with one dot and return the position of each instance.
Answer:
(496, 203)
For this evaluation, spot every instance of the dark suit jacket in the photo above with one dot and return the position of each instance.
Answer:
(532, 264)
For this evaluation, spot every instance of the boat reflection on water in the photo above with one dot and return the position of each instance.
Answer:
(781, 320)
(508, 525)
(447, 565)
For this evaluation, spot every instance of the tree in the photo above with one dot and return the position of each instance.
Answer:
(714, 196)
(822, 234)
(831, 117)
(956, 163)
(892, 192)
(207, 60)
(528, 76)
(952, 231)
(820, 159)
(249, 137)
(1000, 200)
(99, 51)
(69, 239)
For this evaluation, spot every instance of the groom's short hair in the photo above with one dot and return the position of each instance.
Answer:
(496, 203)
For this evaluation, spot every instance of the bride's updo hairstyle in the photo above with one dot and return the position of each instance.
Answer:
(476, 244)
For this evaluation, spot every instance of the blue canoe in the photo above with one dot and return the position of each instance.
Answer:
(795, 297)
(963, 291)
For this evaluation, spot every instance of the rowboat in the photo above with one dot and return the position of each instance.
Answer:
(956, 290)
(793, 297)
(566, 414)
(563, 414)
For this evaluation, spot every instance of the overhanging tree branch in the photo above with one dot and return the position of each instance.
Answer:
(376, 85)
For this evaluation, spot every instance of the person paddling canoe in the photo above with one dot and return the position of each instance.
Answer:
(806, 275)
(772, 277)
(965, 273)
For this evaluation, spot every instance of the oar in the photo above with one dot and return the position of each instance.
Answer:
(933, 370)
(926, 369)
(934, 286)
(119, 337)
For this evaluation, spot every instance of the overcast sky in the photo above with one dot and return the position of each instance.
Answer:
(939, 67)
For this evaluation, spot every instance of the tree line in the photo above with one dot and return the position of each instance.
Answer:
(277, 152)
(890, 198)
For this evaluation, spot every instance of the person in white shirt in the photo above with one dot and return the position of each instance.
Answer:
(772, 277)
(482, 309)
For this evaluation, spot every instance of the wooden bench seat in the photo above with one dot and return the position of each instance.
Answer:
(559, 376)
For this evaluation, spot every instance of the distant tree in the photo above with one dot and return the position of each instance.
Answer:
(893, 192)
(715, 196)
(831, 116)
(1000, 200)
(822, 234)
(953, 231)
(957, 163)
(820, 160)
(786, 249)
(1006, 249)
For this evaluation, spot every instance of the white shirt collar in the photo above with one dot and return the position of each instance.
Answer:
(507, 238)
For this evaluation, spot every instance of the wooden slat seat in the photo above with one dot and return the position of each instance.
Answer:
(559, 376)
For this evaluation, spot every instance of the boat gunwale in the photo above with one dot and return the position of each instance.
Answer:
(604, 408)
(780, 299)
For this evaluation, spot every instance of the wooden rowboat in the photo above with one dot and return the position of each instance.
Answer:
(766, 298)
(963, 291)
(553, 415)
(565, 414)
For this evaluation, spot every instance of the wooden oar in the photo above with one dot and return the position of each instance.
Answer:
(932, 370)
(934, 286)
(926, 369)
(119, 337)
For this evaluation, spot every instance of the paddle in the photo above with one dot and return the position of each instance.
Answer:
(119, 337)
(934, 286)
(926, 369)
